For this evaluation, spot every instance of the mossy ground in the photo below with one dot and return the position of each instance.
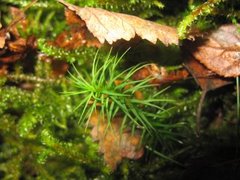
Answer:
(40, 134)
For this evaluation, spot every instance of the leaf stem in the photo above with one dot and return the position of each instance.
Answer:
(199, 111)
(238, 99)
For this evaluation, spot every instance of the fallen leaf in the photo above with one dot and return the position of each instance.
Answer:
(11, 58)
(160, 75)
(17, 18)
(219, 51)
(77, 35)
(114, 144)
(18, 49)
(18, 21)
(80, 31)
(59, 68)
(19, 45)
(111, 26)
(13, 46)
(2, 38)
(73, 19)
(205, 78)
(3, 70)
(2, 51)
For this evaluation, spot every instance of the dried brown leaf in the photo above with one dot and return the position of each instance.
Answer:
(18, 17)
(205, 78)
(18, 49)
(59, 68)
(3, 70)
(19, 45)
(2, 38)
(111, 26)
(114, 144)
(219, 51)
(73, 19)
(11, 58)
(77, 36)
(160, 75)
(22, 23)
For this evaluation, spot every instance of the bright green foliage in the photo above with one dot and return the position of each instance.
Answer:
(81, 55)
(77, 152)
(202, 10)
(13, 98)
(26, 124)
(28, 117)
(40, 133)
(144, 8)
(101, 87)
(42, 19)
(41, 24)
(51, 4)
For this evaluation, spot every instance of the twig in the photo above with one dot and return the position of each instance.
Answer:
(34, 79)
(199, 111)
(238, 99)
(18, 19)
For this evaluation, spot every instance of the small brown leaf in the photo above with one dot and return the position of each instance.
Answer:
(17, 17)
(2, 38)
(205, 78)
(114, 144)
(59, 68)
(3, 70)
(160, 75)
(18, 49)
(77, 36)
(219, 51)
(19, 45)
(73, 19)
(111, 26)
(22, 23)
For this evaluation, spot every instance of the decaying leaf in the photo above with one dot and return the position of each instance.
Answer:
(13, 47)
(18, 49)
(205, 78)
(2, 38)
(160, 75)
(19, 21)
(19, 45)
(77, 35)
(114, 144)
(59, 68)
(219, 51)
(111, 26)
(3, 70)
(17, 16)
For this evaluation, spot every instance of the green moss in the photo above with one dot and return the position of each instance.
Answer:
(204, 9)
(40, 137)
